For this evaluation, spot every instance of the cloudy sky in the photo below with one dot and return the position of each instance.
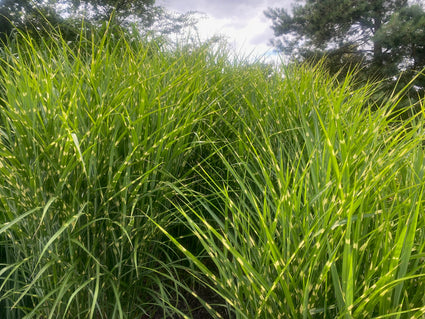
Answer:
(242, 22)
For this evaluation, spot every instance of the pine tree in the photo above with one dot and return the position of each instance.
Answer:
(383, 35)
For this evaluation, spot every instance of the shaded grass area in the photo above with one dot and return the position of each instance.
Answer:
(139, 181)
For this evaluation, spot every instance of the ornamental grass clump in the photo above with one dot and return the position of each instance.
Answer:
(319, 209)
(92, 135)
(140, 180)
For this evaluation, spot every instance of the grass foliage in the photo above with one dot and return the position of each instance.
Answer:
(132, 174)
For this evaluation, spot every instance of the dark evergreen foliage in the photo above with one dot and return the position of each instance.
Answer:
(384, 37)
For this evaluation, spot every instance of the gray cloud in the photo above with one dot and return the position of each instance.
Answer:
(262, 38)
(238, 9)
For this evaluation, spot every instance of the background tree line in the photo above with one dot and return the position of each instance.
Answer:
(37, 16)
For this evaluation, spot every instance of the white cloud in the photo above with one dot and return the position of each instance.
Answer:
(242, 22)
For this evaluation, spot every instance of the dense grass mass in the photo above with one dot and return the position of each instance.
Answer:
(134, 176)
